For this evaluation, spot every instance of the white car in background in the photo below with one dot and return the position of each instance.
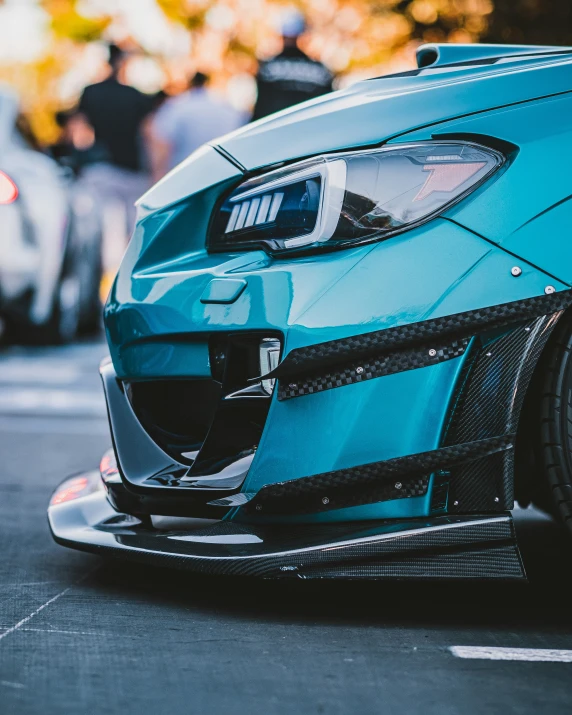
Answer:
(50, 241)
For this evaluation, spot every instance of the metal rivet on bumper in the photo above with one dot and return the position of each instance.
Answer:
(549, 289)
(359, 370)
(398, 485)
(325, 500)
(516, 271)
(432, 352)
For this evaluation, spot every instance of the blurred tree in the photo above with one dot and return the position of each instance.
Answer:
(355, 38)
(68, 23)
(351, 36)
(535, 22)
(39, 81)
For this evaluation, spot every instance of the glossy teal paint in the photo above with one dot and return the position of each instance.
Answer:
(526, 210)
(435, 270)
(221, 290)
(157, 325)
(412, 508)
(165, 238)
(437, 55)
(371, 112)
(357, 424)
(204, 168)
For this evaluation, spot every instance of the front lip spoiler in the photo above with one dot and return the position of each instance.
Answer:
(460, 547)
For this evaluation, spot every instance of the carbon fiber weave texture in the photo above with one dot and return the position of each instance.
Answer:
(392, 479)
(459, 325)
(371, 368)
(489, 404)
(424, 545)
(481, 486)
(496, 563)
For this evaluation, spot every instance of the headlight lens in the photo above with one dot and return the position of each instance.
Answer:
(351, 198)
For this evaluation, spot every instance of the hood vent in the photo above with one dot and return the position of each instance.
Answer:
(438, 55)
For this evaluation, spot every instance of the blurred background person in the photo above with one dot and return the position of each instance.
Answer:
(290, 77)
(116, 111)
(184, 123)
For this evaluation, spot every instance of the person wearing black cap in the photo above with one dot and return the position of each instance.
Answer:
(116, 112)
(290, 77)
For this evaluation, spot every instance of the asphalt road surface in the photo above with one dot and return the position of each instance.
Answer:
(82, 636)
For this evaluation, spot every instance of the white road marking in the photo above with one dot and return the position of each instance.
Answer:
(58, 424)
(29, 617)
(53, 599)
(70, 633)
(37, 371)
(10, 684)
(548, 655)
(39, 400)
(24, 583)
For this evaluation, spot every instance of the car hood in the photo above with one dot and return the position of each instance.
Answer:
(375, 111)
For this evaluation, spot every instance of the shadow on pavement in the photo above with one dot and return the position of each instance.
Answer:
(543, 601)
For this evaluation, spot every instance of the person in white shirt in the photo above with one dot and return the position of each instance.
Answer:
(186, 122)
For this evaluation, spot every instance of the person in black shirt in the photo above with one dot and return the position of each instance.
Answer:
(290, 77)
(116, 112)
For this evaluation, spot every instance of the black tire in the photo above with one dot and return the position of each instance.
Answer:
(91, 316)
(92, 323)
(554, 493)
(63, 325)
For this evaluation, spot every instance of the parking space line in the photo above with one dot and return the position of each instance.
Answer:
(29, 617)
(49, 602)
(34, 401)
(10, 684)
(38, 372)
(57, 424)
(546, 655)
(60, 631)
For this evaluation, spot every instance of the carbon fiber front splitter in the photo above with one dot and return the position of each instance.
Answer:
(459, 547)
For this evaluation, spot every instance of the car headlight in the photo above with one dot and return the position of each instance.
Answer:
(350, 198)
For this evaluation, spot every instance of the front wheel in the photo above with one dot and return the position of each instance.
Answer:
(555, 444)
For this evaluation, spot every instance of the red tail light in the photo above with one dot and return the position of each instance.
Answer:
(8, 189)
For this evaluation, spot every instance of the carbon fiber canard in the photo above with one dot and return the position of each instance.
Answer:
(379, 481)
(489, 402)
(364, 357)
(474, 468)
(361, 370)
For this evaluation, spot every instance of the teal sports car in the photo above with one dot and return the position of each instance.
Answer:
(341, 337)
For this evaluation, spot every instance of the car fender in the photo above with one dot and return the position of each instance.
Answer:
(526, 208)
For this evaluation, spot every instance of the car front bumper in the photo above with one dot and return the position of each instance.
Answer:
(462, 547)
(404, 366)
